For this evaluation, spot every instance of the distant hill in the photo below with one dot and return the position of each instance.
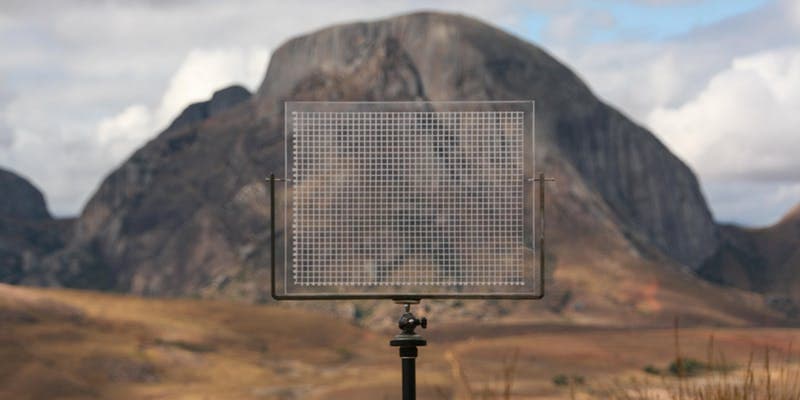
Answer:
(186, 215)
(765, 260)
(27, 230)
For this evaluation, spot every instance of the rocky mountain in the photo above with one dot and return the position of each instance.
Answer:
(157, 215)
(765, 260)
(436, 57)
(186, 214)
(27, 231)
(220, 101)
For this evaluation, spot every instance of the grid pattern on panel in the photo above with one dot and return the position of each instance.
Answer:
(407, 198)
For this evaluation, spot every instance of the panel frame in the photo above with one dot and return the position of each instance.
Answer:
(533, 186)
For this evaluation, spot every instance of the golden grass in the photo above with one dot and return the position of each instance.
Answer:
(751, 383)
(722, 381)
(73, 344)
(66, 344)
(499, 388)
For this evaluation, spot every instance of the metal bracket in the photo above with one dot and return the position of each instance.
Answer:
(542, 179)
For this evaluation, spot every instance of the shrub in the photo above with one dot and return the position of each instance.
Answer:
(561, 380)
(687, 367)
(652, 370)
(565, 380)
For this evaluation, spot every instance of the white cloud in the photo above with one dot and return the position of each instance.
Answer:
(200, 74)
(640, 75)
(93, 81)
(122, 133)
(744, 124)
(203, 71)
(721, 96)
(742, 134)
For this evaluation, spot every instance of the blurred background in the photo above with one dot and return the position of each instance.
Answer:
(135, 136)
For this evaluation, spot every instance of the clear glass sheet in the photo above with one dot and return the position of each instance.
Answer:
(426, 199)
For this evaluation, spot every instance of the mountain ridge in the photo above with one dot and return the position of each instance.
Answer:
(764, 260)
(580, 137)
(222, 99)
(186, 214)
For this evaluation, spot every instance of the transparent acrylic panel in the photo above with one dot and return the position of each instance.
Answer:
(407, 200)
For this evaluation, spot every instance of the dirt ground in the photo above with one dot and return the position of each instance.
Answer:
(63, 344)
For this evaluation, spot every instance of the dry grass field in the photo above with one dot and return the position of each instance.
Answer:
(63, 344)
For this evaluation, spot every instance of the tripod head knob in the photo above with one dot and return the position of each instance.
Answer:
(408, 322)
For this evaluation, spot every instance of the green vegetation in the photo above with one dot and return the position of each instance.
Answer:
(652, 370)
(566, 380)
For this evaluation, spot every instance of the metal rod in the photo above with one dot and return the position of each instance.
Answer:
(541, 234)
(409, 378)
(272, 232)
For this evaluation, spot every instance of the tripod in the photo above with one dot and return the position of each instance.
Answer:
(408, 341)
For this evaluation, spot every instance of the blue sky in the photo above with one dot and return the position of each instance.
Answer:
(85, 83)
(662, 21)
(643, 20)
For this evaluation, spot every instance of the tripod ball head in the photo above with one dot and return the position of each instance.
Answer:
(408, 322)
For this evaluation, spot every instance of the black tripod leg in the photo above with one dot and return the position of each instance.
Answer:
(408, 355)
(408, 342)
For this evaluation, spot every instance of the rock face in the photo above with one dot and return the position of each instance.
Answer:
(652, 193)
(187, 213)
(765, 260)
(220, 101)
(175, 216)
(27, 231)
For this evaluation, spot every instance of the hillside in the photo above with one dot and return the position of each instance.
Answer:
(186, 215)
(764, 260)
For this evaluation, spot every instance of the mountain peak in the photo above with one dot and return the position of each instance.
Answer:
(457, 58)
(221, 100)
(435, 56)
(226, 98)
(20, 199)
